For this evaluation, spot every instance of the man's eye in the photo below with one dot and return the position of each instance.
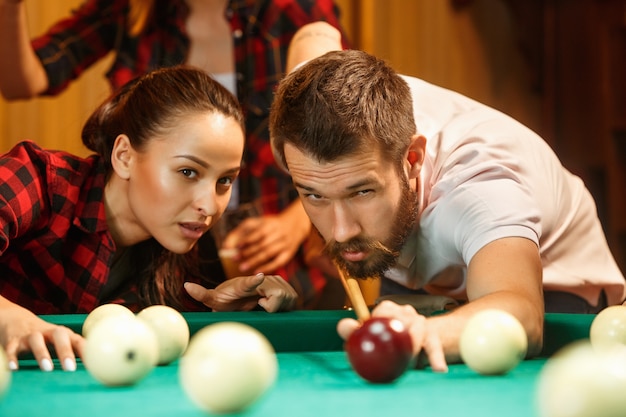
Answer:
(313, 196)
(226, 180)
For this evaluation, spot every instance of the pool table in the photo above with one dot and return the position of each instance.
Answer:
(315, 378)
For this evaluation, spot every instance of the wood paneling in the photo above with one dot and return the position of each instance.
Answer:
(53, 122)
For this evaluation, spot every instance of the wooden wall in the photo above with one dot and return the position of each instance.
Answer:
(471, 50)
(53, 122)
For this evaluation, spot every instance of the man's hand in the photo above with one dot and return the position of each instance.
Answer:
(271, 292)
(425, 340)
(22, 331)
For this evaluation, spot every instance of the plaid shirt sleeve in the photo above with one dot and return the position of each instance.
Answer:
(22, 196)
(55, 248)
(75, 43)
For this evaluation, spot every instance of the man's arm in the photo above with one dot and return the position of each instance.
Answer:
(505, 274)
(21, 73)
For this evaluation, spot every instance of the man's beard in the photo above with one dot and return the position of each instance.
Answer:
(381, 256)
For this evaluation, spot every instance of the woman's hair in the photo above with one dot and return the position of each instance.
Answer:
(343, 103)
(154, 103)
(143, 108)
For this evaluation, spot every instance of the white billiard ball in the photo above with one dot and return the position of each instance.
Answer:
(227, 367)
(608, 328)
(120, 350)
(493, 342)
(170, 328)
(5, 373)
(579, 381)
(102, 311)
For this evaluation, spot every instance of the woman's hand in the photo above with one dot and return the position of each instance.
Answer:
(271, 292)
(22, 331)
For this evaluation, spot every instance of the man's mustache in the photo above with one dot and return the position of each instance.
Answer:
(334, 248)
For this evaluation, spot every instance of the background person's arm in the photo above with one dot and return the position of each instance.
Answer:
(310, 41)
(22, 75)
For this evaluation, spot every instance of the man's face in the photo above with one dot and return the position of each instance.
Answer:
(359, 204)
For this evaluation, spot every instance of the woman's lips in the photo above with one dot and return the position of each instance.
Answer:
(193, 230)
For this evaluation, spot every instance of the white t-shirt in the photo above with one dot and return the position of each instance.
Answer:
(485, 177)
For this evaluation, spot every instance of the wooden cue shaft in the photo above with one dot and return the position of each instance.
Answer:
(353, 290)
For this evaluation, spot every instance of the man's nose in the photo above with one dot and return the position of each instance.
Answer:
(345, 224)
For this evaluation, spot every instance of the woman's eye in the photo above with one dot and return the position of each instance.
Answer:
(189, 173)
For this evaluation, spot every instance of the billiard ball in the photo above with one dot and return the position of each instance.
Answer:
(608, 328)
(120, 350)
(170, 328)
(579, 381)
(227, 367)
(5, 373)
(380, 350)
(102, 311)
(493, 342)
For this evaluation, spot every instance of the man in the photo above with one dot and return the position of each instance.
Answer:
(437, 193)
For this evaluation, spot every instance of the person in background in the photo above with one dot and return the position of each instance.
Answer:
(435, 193)
(241, 43)
(121, 226)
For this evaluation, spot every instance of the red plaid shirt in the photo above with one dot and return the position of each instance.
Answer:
(55, 247)
(261, 31)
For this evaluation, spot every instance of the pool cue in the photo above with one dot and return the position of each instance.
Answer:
(351, 285)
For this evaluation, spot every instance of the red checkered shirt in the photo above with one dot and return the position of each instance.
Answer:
(55, 246)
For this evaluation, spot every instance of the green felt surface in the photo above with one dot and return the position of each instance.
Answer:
(311, 382)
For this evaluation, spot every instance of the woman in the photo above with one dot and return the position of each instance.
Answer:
(243, 44)
(121, 226)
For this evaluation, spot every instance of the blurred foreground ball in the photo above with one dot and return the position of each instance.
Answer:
(578, 381)
(120, 350)
(5, 373)
(227, 367)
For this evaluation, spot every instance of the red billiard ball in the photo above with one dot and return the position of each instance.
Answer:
(380, 350)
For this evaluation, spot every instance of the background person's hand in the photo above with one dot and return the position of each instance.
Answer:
(269, 242)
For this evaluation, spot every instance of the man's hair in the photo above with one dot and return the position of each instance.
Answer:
(340, 104)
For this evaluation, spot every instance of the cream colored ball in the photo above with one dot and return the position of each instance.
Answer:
(170, 328)
(579, 381)
(608, 328)
(227, 367)
(120, 350)
(102, 311)
(5, 373)
(493, 342)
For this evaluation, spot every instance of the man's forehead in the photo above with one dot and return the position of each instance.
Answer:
(351, 171)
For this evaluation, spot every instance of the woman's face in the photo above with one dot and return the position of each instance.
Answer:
(180, 184)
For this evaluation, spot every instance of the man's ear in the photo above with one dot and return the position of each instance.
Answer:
(121, 156)
(416, 154)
